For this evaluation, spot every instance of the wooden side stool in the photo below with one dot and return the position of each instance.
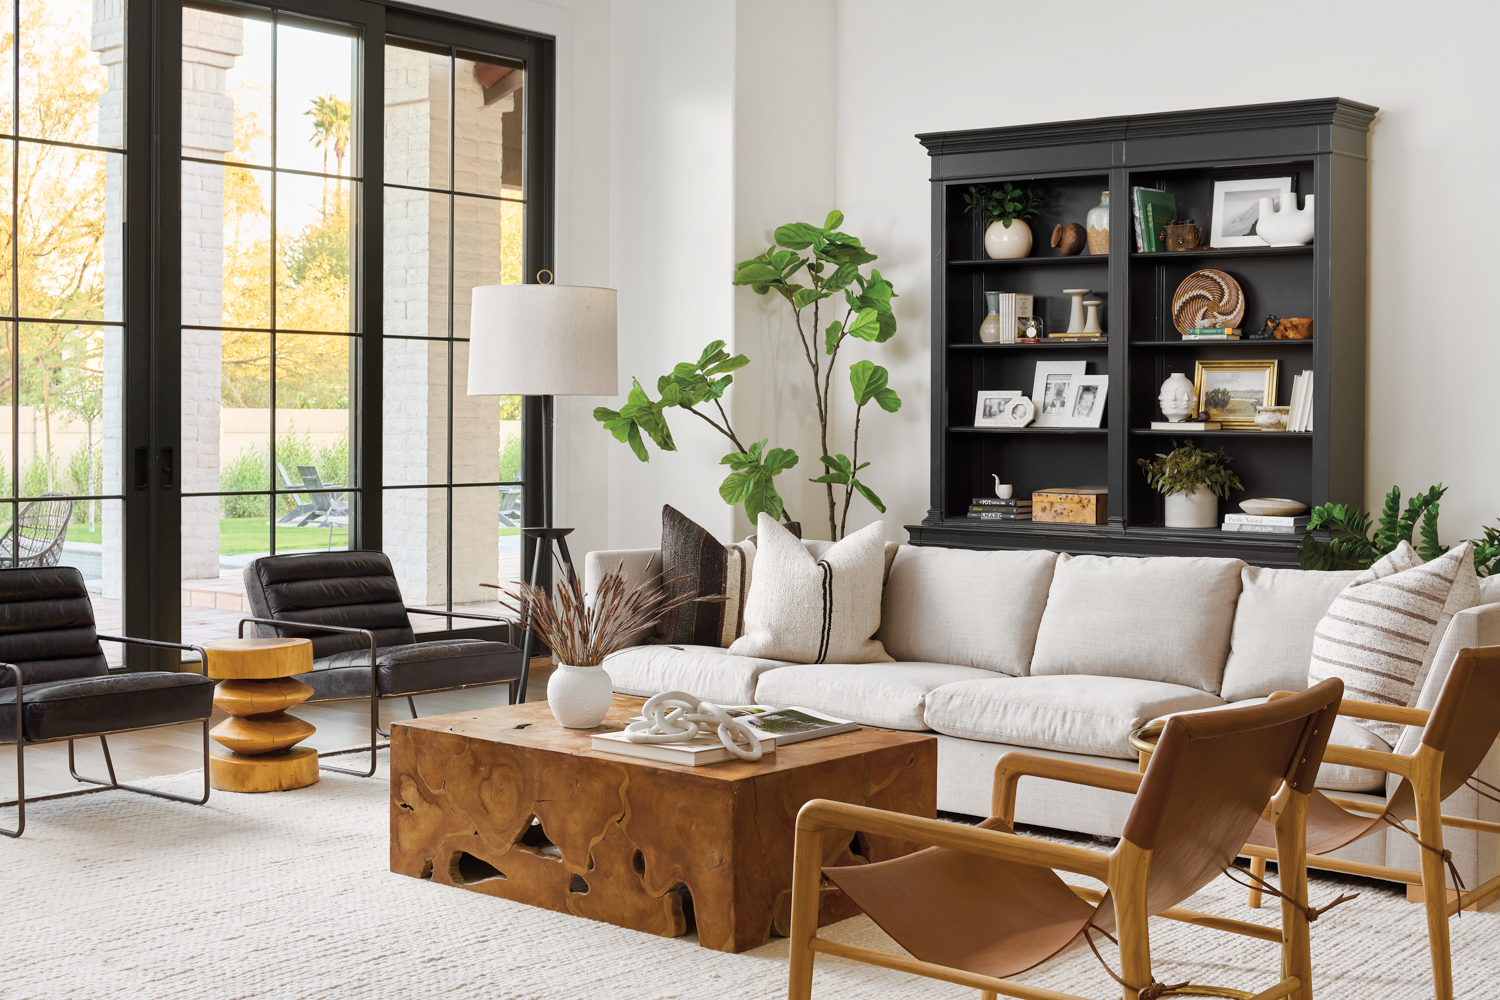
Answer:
(256, 686)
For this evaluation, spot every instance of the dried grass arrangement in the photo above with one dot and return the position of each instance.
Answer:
(582, 636)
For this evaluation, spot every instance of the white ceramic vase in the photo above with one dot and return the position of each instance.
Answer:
(579, 696)
(1176, 399)
(1288, 227)
(1198, 509)
(1004, 242)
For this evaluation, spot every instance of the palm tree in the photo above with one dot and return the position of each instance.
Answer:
(330, 118)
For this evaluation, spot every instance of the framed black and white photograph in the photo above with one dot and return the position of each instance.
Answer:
(1237, 209)
(1050, 390)
(992, 408)
(1085, 406)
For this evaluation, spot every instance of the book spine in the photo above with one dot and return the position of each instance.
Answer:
(999, 517)
(997, 502)
(1002, 511)
(1265, 529)
(1266, 519)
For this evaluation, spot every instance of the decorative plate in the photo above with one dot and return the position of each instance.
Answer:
(1207, 298)
(1273, 507)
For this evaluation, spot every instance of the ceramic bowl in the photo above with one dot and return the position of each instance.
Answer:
(1273, 507)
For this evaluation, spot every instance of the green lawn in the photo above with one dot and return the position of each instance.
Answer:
(239, 535)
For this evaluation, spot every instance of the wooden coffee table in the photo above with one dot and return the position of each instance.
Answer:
(633, 842)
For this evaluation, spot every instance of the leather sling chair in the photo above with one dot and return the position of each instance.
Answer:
(60, 688)
(1456, 736)
(984, 903)
(349, 605)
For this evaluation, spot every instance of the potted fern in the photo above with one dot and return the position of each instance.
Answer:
(1193, 481)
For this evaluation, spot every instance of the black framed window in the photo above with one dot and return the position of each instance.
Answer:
(208, 345)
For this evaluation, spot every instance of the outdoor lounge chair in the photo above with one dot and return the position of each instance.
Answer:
(36, 539)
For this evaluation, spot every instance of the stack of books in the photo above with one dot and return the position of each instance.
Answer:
(1212, 333)
(1012, 307)
(1299, 414)
(1262, 523)
(1153, 210)
(995, 509)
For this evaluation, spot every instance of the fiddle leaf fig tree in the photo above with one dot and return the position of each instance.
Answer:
(807, 266)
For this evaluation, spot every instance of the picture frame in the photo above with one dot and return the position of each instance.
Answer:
(1236, 209)
(1051, 387)
(992, 407)
(1229, 391)
(1086, 398)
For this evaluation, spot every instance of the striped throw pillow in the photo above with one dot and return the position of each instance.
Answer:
(1380, 634)
(695, 562)
(806, 609)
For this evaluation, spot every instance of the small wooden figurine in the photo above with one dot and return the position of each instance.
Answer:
(1069, 239)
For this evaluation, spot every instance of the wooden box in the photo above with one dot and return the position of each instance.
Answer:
(1070, 506)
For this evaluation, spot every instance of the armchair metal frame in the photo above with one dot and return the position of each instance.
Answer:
(375, 697)
(22, 743)
(1424, 769)
(1124, 871)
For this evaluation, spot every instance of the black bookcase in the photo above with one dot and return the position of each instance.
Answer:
(1322, 144)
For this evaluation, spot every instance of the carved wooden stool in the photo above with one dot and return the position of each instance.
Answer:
(256, 685)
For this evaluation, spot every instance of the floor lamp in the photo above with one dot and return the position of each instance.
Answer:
(542, 340)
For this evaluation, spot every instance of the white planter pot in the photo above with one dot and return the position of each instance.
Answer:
(1004, 242)
(579, 696)
(1198, 509)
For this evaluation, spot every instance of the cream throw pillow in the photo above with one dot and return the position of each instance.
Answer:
(810, 610)
(1380, 635)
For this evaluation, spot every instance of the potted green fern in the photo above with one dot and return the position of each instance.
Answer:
(1193, 481)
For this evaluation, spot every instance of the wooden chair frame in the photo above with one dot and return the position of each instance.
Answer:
(1423, 768)
(1124, 870)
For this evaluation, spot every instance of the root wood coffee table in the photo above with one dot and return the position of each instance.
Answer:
(506, 802)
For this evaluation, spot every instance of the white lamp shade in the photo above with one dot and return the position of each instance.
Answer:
(542, 340)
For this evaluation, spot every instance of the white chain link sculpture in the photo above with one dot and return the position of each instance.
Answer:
(678, 717)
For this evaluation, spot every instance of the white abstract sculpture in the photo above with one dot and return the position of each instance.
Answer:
(678, 717)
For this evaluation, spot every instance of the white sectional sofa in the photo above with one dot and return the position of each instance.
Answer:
(1065, 656)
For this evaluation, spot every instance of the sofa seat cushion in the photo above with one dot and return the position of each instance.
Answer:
(1274, 622)
(55, 709)
(1159, 619)
(975, 609)
(710, 673)
(1089, 715)
(417, 666)
(889, 695)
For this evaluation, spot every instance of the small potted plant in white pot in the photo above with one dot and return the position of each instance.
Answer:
(1007, 207)
(581, 634)
(1193, 480)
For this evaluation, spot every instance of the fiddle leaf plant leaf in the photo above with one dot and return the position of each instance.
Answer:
(751, 481)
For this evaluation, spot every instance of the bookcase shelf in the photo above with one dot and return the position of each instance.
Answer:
(1322, 145)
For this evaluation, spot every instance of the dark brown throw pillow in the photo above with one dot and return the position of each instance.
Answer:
(694, 561)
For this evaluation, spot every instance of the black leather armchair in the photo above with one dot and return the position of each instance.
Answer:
(349, 605)
(55, 684)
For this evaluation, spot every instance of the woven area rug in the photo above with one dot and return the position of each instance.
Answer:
(288, 895)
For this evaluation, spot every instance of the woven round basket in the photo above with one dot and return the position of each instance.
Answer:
(1207, 298)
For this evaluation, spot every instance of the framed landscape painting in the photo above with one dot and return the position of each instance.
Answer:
(1230, 391)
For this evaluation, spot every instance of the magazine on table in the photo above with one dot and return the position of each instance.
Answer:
(791, 725)
(777, 727)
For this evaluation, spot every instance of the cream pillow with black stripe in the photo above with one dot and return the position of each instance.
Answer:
(1380, 634)
(805, 609)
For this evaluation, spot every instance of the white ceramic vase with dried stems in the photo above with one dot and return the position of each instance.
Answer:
(579, 696)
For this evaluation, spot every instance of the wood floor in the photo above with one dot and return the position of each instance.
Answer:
(174, 749)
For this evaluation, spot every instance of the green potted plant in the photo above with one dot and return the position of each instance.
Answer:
(1193, 480)
(1007, 207)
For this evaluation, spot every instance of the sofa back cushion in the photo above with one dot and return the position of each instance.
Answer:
(974, 609)
(1274, 624)
(1157, 619)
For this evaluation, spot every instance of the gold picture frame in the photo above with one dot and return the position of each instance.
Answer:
(1237, 387)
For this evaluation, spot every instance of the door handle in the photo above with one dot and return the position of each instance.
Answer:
(166, 468)
(142, 468)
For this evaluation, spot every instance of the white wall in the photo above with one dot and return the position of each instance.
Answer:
(688, 130)
(906, 68)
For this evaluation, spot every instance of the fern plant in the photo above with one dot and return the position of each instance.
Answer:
(1351, 546)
